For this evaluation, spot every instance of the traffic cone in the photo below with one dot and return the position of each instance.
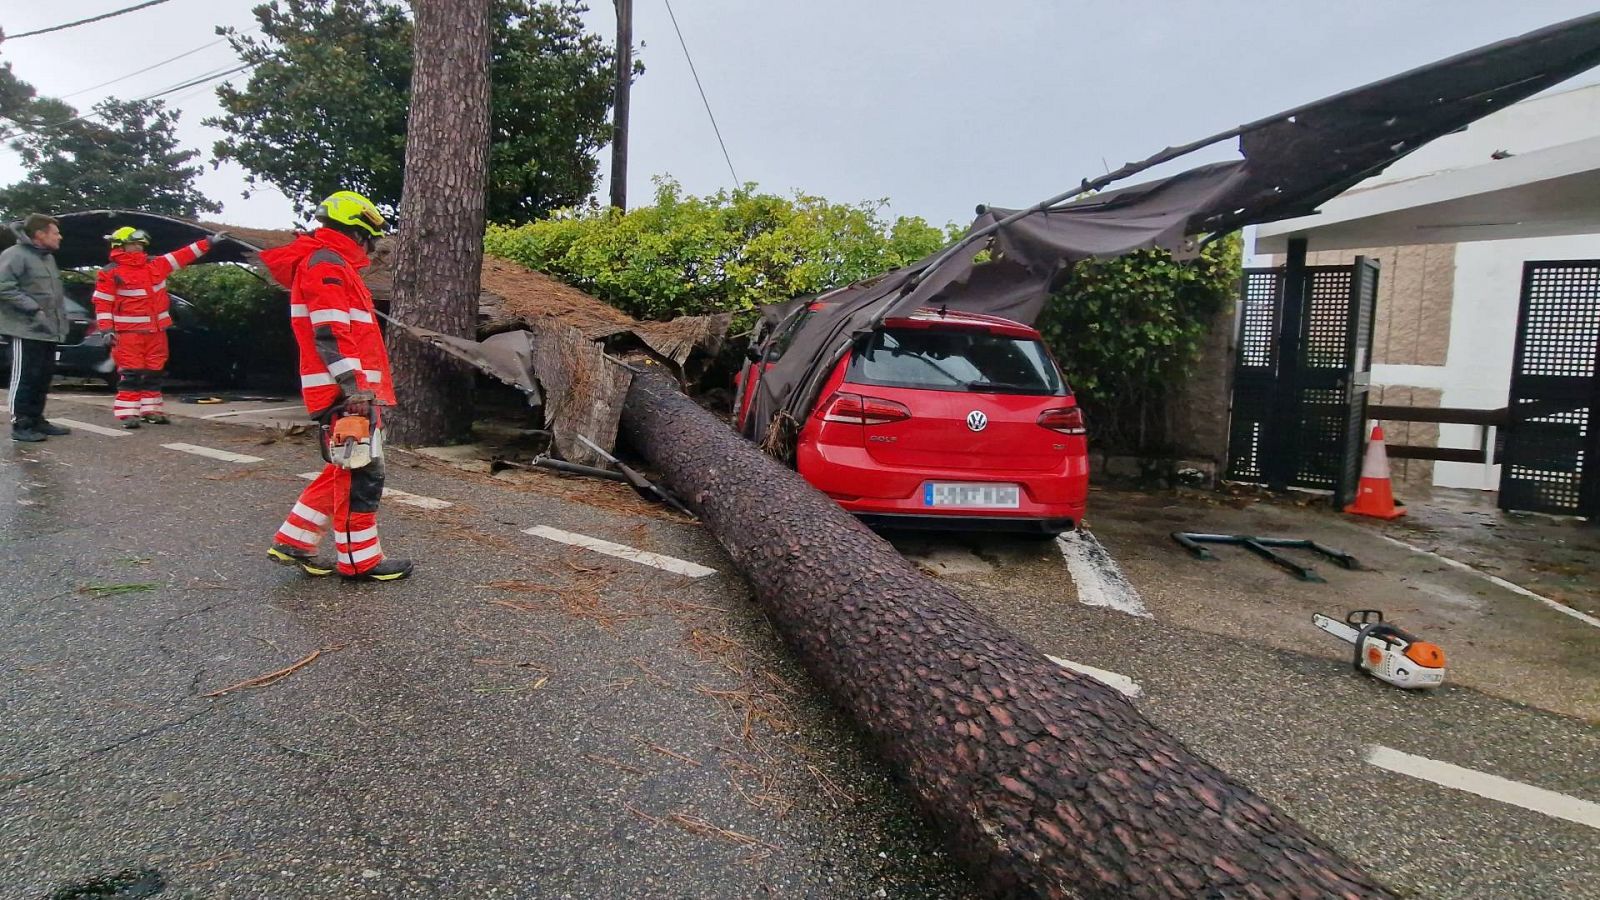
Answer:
(1375, 496)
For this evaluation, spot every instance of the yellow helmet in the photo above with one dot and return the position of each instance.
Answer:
(350, 208)
(127, 234)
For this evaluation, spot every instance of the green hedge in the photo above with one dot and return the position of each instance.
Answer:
(1128, 331)
(732, 251)
(249, 315)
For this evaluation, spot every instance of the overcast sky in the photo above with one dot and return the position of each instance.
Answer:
(935, 105)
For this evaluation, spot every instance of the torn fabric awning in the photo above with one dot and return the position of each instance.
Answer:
(1292, 162)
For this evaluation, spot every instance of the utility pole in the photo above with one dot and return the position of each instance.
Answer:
(619, 131)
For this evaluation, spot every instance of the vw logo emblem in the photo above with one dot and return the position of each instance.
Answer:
(977, 421)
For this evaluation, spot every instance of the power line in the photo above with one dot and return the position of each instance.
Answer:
(110, 15)
(143, 70)
(193, 82)
(702, 90)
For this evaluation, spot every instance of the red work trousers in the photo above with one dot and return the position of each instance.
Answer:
(346, 499)
(141, 358)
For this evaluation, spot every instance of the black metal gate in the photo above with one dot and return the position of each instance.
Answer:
(1302, 375)
(1552, 453)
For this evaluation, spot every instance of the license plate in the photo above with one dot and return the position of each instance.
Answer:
(982, 496)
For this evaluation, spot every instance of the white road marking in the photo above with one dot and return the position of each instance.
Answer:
(94, 429)
(1493, 787)
(621, 551)
(251, 412)
(399, 496)
(1099, 579)
(1122, 683)
(415, 499)
(209, 453)
(1497, 581)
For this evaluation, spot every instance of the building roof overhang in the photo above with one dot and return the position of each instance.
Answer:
(1544, 193)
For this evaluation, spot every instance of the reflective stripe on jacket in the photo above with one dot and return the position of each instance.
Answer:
(130, 294)
(333, 318)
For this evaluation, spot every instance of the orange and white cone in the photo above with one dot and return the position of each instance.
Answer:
(1375, 496)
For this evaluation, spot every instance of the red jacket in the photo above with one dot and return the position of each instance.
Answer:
(130, 294)
(331, 312)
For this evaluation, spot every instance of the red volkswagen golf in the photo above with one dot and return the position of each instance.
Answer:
(952, 420)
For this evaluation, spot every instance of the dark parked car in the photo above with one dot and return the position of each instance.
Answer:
(198, 353)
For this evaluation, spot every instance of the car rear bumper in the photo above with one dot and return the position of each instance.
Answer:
(1051, 501)
(1007, 524)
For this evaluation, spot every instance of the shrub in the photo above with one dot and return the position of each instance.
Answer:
(732, 251)
(248, 314)
(1128, 331)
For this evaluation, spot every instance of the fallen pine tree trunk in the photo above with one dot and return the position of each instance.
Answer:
(1047, 783)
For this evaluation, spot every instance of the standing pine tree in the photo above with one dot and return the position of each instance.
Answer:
(442, 210)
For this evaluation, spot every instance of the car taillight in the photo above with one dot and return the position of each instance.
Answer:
(1068, 420)
(858, 410)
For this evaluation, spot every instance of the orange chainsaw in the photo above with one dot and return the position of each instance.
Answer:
(1384, 651)
(353, 442)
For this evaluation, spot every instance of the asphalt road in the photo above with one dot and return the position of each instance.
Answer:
(528, 718)
(1226, 659)
(521, 719)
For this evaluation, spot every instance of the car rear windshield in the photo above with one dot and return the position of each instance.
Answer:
(954, 360)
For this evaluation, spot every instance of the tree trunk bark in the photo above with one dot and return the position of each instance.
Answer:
(440, 256)
(1047, 782)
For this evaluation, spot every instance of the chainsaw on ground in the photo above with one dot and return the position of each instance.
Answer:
(1384, 651)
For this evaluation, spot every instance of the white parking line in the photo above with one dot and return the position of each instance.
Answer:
(93, 429)
(251, 412)
(209, 453)
(1127, 686)
(621, 551)
(399, 496)
(1497, 581)
(1492, 787)
(1099, 579)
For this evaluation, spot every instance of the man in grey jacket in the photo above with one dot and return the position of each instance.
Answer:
(33, 315)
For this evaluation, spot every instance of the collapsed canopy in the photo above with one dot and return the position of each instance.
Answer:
(83, 237)
(1292, 162)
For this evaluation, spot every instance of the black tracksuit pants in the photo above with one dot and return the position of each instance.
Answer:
(33, 363)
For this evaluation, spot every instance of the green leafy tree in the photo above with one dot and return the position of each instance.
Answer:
(729, 252)
(326, 104)
(1127, 332)
(125, 155)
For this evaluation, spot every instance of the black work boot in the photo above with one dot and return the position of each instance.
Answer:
(47, 427)
(300, 559)
(27, 431)
(157, 419)
(388, 570)
(131, 423)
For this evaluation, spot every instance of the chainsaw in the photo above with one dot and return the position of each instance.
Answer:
(1384, 651)
(355, 441)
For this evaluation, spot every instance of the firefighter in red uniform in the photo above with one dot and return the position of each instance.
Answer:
(132, 309)
(345, 380)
